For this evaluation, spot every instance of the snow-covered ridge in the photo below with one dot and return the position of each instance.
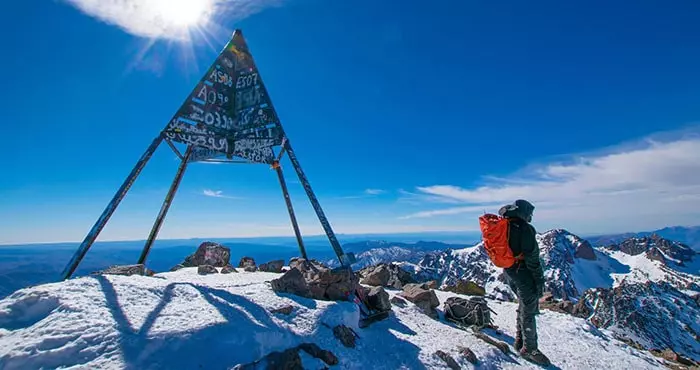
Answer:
(181, 320)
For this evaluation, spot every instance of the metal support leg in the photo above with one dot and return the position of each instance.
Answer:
(290, 208)
(111, 207)
(166, 205)
(345, 259)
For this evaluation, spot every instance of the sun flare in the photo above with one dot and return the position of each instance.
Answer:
(183, 14)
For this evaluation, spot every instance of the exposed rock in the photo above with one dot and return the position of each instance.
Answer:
(503, 346)
(288, 360)
(272, 266)
(451, 363)
(228, 269)
(654, 315)
(209, 253)
(468, 354)
(398, 301)
(177, 267)
(250, 269)
(432, 284)
(206, 269)
(345, 335)
(375, 275)
(655, 255)
(126, 270)
(547, 297)
(387, 275)
(466, 287)
(585, 251)
(423, 298)
(291, 282)
(675, 250)
(311, 280)
(582, 309)
(246, 262)
(285, 310)
(378, 299)
(324, 355)
(669, 355)
(549, 303)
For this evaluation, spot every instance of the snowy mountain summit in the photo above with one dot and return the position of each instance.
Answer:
(184, 320)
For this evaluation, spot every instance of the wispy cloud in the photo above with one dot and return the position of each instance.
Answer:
(164, 18)
(368, 193)
(651, 181)
(217, 194)
(374, 191)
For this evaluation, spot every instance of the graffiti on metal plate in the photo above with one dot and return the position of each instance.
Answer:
(227, 107)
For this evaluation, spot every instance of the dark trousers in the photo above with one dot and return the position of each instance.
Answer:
(523, 284)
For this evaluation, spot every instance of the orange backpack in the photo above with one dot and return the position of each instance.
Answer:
(494, 232)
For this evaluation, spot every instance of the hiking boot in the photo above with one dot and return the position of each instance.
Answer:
(518, 343)
(535, 356)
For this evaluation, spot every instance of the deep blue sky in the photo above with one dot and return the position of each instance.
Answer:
(389, 95)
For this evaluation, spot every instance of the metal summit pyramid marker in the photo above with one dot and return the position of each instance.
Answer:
(229, 118)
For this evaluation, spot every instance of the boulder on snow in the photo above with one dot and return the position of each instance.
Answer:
(378, 299)
(272, 266)
(451, 363)
(468, 354)
(207, 269)
(585, 251)
(126, 270)
(291, 282)
(285, 310)
(375, 275)
(209, 253)
(398, 301)
(228, 269)
(315, 351)
(345, 335)
(247, 264)
(425, 299)
(432, 284)
(313, 280)
(289, 359)
(466, 287)
(387, 275)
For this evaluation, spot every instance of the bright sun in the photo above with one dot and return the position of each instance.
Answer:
(183, 13)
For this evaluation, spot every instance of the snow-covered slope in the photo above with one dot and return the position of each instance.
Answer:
(571, 266)
(181, 320)
(450, 266)
(653, 315)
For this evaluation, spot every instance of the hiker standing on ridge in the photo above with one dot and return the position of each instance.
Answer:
(525, 277)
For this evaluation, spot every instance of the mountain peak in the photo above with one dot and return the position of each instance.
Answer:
(656, 247)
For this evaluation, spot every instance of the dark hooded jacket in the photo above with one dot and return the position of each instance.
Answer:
(522, 238)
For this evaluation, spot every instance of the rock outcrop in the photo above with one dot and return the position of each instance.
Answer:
(126, 270)
(208, 253)
(272, 266)
(228, 269)
(312, 280)
(466, 287)
(652, 315)
(386, 275)
(247, 264)
(424, 298)
(207, 269)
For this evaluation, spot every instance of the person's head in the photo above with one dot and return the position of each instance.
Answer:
(520, 208)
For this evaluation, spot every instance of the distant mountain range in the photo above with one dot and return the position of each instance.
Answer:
(686, 235)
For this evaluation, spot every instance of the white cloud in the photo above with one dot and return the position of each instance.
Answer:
(374, 191)
(167, 18)
(217, 194)
(649, 185)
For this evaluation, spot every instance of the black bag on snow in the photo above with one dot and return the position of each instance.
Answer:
(472, 311)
